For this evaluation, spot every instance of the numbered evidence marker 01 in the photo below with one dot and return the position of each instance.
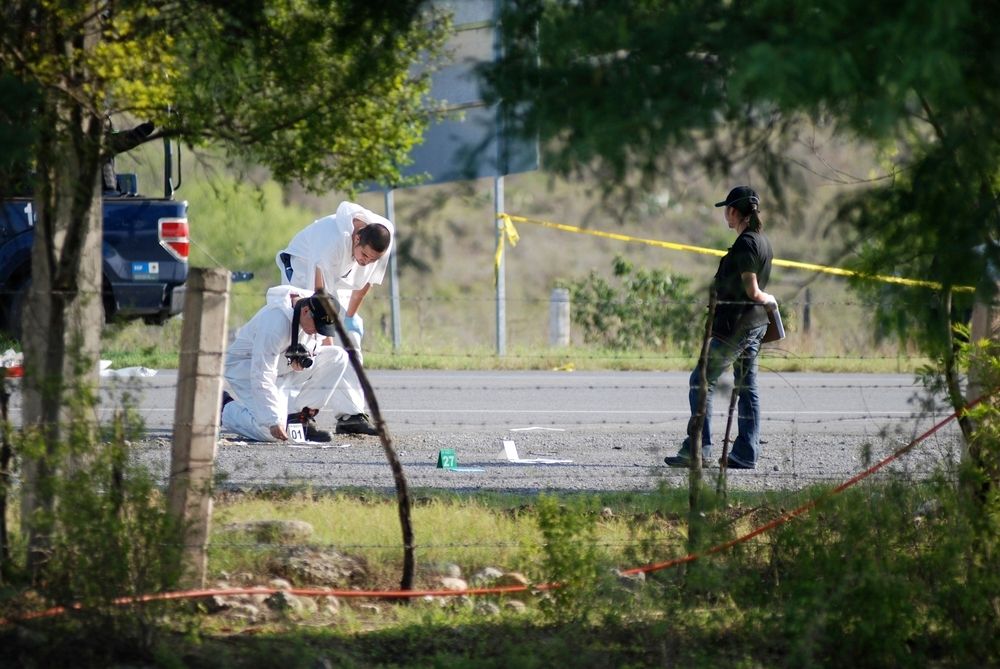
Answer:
(296, 432)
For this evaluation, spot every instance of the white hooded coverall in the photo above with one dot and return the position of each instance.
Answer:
(264, 387)
(327, 243)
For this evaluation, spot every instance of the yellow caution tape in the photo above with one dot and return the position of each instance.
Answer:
(792, 264)
(509, 232)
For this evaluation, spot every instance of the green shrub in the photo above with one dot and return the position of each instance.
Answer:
(890, 575)
(108, 535)
(647, 309)
(570, 558)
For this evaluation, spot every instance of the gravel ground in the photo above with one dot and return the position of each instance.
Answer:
(618, 461)
(616, 427)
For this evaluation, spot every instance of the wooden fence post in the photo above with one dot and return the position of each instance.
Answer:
(196, 414)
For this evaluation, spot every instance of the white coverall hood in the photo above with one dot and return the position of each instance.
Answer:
(281, 296)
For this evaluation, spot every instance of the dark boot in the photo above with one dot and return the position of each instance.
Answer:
(306, 418)
(226, 399)
(359, 423)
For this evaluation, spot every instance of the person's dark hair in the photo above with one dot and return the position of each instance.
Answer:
(746, 201)
(375, 236)
(750, 208)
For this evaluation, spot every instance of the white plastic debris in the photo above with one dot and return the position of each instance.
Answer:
(128, 371)
(11, 358)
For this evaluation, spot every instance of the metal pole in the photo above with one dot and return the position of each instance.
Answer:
(807, 313)
(501, 168)
(501, 287)
(390, 213)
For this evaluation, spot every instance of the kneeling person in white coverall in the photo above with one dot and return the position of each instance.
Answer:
(278, 370)
(343, 254)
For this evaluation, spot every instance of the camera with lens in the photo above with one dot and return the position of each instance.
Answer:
(323, 323)
(297, 353)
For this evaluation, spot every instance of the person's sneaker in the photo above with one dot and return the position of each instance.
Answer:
(732, 464)
(359, 423)
(307, 418)
(682, 460)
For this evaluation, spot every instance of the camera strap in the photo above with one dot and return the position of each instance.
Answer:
(295, 349)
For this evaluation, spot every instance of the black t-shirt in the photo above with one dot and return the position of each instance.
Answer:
(734, 312)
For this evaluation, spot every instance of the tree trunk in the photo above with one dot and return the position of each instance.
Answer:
(61, 322)
(403, 502)
(951, 372)
(695, 426)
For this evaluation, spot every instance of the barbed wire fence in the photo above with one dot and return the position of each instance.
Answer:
(880, 431)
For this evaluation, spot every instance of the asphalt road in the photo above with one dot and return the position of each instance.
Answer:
(615, 427)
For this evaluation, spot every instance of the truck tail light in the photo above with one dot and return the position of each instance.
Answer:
(174, 237)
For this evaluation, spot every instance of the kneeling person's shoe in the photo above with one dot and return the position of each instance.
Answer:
(226, 399)
(307, 418)
(359, 423)
(313, 433)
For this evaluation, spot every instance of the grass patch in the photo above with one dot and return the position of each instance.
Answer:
(470, 531)
(157, 347)
(591, 359)
(877, 576)
(139, 345)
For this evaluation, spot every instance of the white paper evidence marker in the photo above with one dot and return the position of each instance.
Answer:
(510, 452)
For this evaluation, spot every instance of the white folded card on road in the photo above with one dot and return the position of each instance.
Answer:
(510, 452)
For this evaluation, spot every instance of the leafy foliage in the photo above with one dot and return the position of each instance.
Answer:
(335, 100)
(880, 577)
(17, 134)
(629, 86)
(319, 91)
(650, 309)
(570, 558)
(111, 536)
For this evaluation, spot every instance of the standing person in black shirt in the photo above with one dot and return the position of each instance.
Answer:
(737, 330)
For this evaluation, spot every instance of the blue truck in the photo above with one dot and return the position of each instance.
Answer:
(144, 253)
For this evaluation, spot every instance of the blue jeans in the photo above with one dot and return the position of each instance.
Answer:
(742, 354)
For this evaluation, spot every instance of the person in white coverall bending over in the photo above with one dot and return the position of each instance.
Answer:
(344, 254)
(271, 378)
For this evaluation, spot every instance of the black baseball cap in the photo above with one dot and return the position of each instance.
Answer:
(322, 319)
(739, 194)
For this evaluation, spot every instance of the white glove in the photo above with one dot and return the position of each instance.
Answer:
(769, 299)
